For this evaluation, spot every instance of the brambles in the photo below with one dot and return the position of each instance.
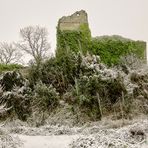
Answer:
(81, 81)
(45, 98)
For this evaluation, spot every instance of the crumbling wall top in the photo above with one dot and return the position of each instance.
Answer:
(73, 21)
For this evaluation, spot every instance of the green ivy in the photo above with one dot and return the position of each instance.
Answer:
(76, 40)
(111, 48)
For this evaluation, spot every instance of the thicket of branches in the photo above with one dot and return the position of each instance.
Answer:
(82, 81)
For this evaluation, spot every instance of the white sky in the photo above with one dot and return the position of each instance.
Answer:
(128, 18)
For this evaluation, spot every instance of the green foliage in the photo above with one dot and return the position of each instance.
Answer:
(68, 74)
(45, 98)
(85, 38)
(15, 94)
(111, 48)
(85, 91)
(10, 80)
(70, 64)
(88, 88)
(17, 103)
(82, 81)
(60, 72)
(52, 73)
(10, 67)
(115, 88)
(34, 74)
(20, 105)
(77, 40)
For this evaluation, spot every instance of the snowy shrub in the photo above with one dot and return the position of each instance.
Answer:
(131, 61)
(45, 97)
(10, 79)
(15, 94)
(19, 104)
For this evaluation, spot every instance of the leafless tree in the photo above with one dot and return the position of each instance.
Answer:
(9, 53)
(35, 42)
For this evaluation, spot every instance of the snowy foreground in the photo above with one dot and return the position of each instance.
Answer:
(61, 141)
(104, 134)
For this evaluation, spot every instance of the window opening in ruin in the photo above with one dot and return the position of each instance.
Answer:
(78, 14)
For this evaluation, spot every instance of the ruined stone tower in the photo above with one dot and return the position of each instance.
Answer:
(73, 32)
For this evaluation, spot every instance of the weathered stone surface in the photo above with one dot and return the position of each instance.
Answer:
(73, 21)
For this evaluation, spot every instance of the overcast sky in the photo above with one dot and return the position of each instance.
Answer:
(128, 18)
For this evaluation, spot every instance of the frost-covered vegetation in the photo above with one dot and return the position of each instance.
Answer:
(91, 89)
(75, 89)
(8, 141)
(129, 136)
(88, 80)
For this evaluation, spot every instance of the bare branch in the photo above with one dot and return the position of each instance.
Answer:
(34, 42)
(9, 53)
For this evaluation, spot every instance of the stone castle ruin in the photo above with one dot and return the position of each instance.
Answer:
(73, 21)
(73, 33)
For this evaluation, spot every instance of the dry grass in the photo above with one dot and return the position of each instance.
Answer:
(133, 135)
(7, 140)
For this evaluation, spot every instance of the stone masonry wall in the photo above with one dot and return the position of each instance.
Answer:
(74, 21)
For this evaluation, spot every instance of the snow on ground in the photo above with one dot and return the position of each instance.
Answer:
(61, 141)
(102, 134)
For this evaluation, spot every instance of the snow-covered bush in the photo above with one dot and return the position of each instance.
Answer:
(15, 95)
(45, 98)
(131, 61)
(10, 79)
